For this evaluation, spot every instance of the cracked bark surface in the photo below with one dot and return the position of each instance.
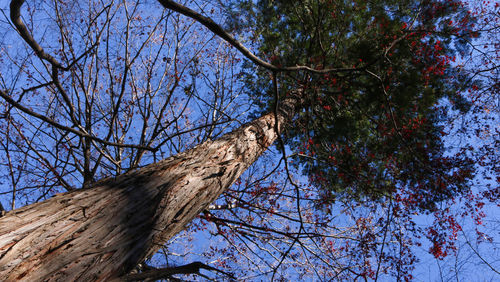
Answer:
(101, 233)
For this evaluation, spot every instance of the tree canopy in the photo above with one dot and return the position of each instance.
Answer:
(372, 124)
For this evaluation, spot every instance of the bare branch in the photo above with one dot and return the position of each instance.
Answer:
(15, 16)
(65, 128)
(162, 273)
(217, 29)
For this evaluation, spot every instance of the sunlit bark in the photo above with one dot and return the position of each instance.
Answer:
(103, 232)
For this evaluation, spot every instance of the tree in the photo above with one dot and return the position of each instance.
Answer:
(361, 140)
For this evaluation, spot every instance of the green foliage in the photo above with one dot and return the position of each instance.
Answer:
(375, 130)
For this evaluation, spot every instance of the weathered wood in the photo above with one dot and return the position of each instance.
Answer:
(101, 233)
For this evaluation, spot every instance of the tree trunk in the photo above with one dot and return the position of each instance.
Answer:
(103, 232)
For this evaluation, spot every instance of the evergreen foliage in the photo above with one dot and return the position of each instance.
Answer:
(374, 127)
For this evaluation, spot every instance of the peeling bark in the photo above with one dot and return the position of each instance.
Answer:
(101, 233)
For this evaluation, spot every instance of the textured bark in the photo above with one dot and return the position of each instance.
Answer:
(101, 233)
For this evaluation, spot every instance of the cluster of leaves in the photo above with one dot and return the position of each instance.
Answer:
(374, 126)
